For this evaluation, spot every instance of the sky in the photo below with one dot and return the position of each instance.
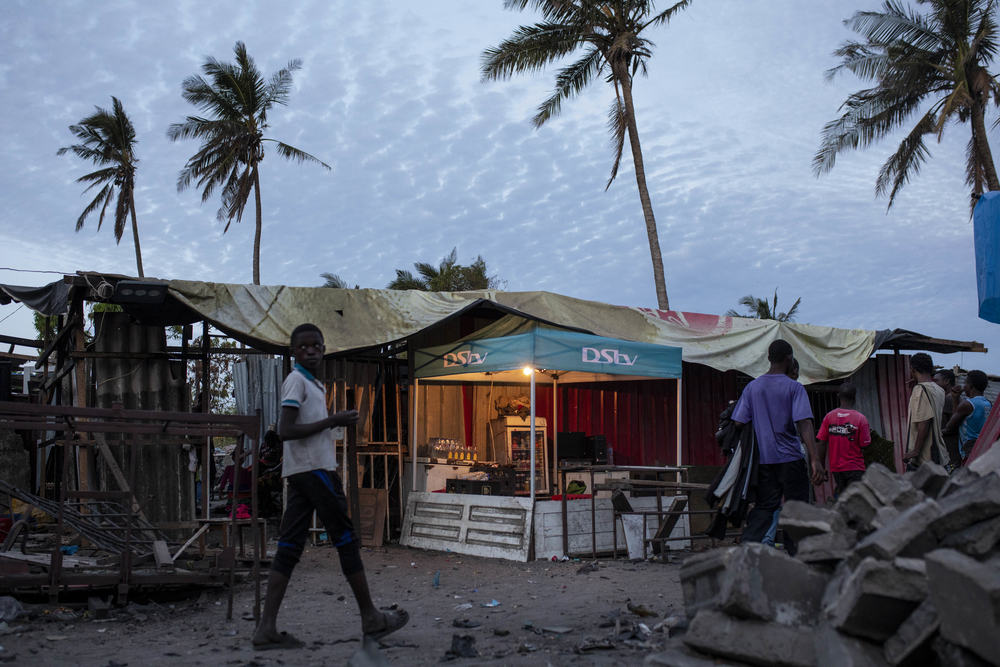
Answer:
(425, 157)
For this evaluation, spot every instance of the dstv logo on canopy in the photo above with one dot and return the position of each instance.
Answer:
(591, 355)
(464, 359)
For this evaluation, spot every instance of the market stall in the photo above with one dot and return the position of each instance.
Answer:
(517, 350)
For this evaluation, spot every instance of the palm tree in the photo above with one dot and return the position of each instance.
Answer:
(333, 281)
(448, 276)
(760, 309)
(107, 138)
(914, 59)
(237, 98)
(611, 35)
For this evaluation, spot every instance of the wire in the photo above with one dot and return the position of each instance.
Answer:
(61, 273)
(15, 310)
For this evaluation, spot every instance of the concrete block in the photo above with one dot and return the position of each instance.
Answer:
(858, 505)
(988, 461)
(977, 501)
(929, 478)
(907, 535)
(953, 655)
(875, 599)
(799, 520)
(701, 579)
(977, 540)
(755, 642)
(912, 642)
(966, 594)
(834, 649)
(767, 584)
(827, 547)
(884, 516)
(890, 488)
(957, 481)
(675, 657)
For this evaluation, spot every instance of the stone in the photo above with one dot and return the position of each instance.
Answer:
(988, 461)
(858, 505)
(957, 481)
(701, 579)
(907, 535)
(953, 655)
(977, 501)
(875, 599)
(767, 584)
(929, 478)
(827, 547)
(912, 642)
(675, 657)
(890, 488)
(884, 516)
(966, 594)
(977, 540)
(834, 649)
(799, 520)
(755, 642)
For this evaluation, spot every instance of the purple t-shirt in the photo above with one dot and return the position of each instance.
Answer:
(773, 403)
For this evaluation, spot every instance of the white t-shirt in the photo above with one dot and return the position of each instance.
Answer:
(301, 390)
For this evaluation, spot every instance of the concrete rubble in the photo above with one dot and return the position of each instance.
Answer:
(900, 571)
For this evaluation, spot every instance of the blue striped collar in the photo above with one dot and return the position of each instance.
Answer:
(302, 369)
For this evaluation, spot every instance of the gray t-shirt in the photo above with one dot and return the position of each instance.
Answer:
(304, 392)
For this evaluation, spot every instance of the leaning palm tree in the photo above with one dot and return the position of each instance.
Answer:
(760, 309)
(238, 99)
(611, 35)
(107, 138)
(930, 66)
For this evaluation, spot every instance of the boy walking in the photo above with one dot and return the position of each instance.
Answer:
(844, 432)
(310, 465)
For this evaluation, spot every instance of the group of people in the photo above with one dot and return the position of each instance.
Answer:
(942, 427)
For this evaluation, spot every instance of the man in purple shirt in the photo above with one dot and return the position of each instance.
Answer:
(780, 412)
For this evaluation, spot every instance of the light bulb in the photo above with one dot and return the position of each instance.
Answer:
(527, 370)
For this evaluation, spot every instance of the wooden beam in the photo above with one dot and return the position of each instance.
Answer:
(23, 342)
(196, 535)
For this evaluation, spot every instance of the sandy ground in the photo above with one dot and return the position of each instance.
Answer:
(320, 610)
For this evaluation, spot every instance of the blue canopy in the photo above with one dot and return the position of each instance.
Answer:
(986, 220)
(513, 343)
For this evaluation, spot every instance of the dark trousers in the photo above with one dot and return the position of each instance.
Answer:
(845, 479)
(774, 481)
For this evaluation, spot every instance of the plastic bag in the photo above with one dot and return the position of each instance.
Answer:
(9, 608)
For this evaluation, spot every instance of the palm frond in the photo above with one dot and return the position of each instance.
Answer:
(618, 129)
(292, 153)
(906, 162)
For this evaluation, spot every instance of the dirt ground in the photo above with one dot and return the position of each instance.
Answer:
(320, 610)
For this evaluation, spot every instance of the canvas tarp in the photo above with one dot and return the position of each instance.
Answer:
(364, 318)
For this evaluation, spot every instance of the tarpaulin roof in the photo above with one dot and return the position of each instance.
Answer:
(986, 222)
(514, 343)
(263, 316)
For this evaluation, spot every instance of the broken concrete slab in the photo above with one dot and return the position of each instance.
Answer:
(977, 540)
(884, 516)
(988, 461)
(929, 478)
(875, 599)
(976, 501)
(858, 505)
(907, 535)
(767, 584)
(754, 642)
(828, 547)
(966, 594)
(912, 642)
(799, 520)
(890, 488)
(953, 655)
(676, 657)
(701, 579)
(958, 479)
(835, 649)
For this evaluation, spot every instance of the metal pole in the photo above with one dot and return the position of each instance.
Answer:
(678, 422)
(254, 518)
(413, 428)
(532, 477)
(555, 433)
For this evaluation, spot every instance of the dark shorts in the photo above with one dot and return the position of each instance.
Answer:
(322, 492)
(845, 478)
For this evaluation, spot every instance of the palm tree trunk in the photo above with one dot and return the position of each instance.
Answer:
(256, 238)
(663, 303)
(135, 235)
(983, 146)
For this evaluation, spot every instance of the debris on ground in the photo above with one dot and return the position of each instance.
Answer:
(461, 647)
(902, 569)
(641, 610)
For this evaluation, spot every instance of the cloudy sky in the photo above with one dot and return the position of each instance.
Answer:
(426, 158)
